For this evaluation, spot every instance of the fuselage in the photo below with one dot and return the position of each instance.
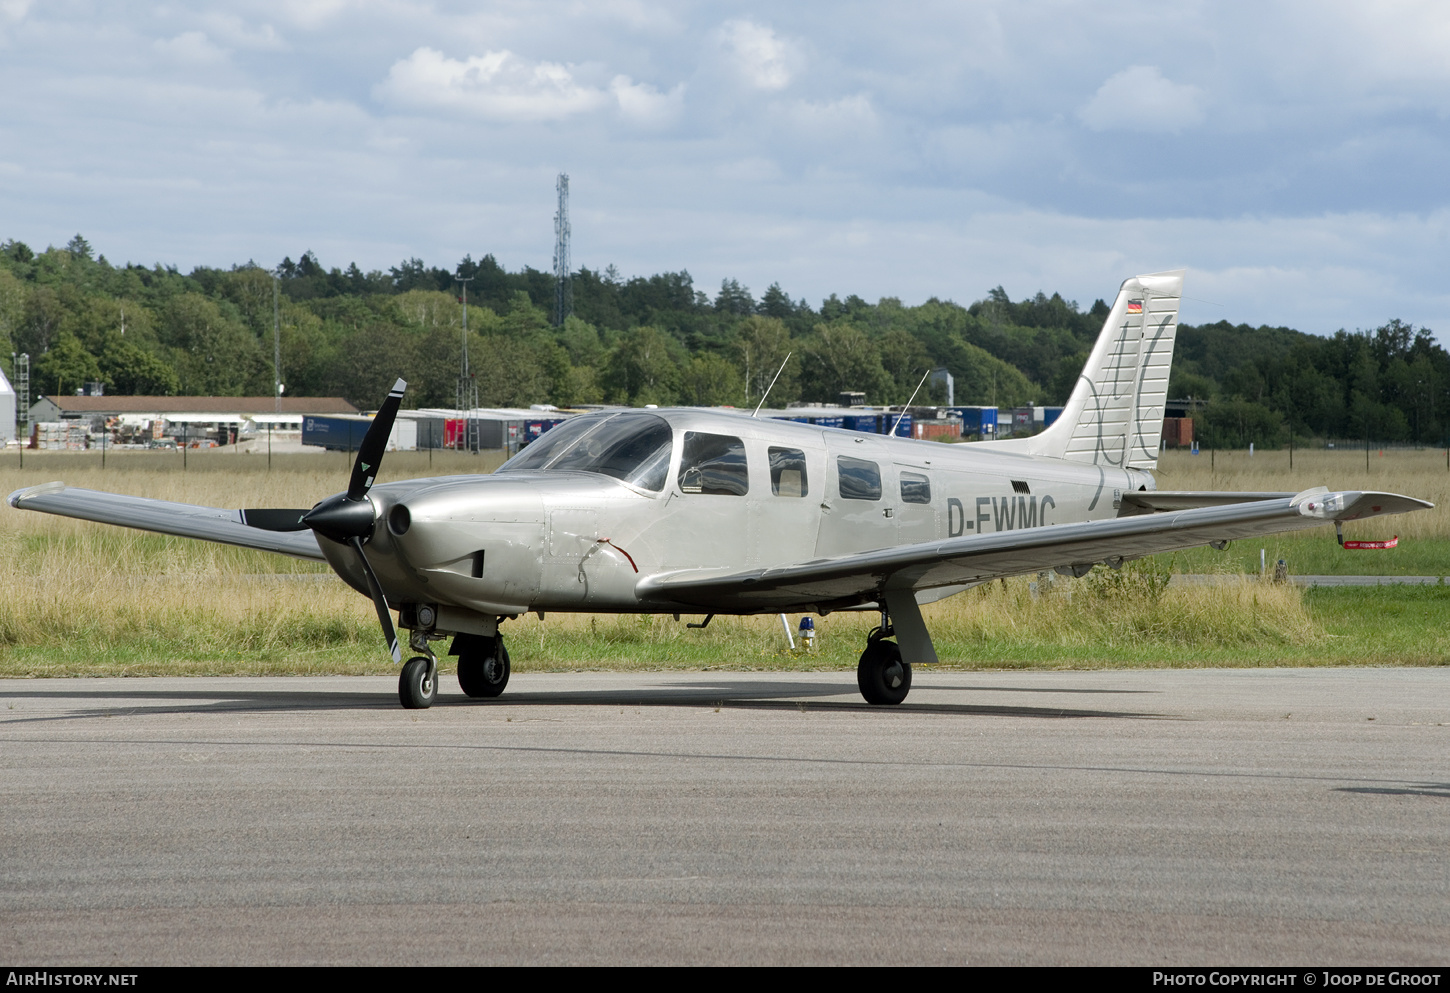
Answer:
(616, 496)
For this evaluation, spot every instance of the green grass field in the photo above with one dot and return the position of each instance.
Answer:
(85, 599)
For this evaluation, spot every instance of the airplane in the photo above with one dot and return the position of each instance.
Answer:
(704, 511)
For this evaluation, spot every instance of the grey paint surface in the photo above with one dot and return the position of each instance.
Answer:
(1122, 817)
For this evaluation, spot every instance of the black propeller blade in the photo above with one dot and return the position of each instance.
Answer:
(374, 443)
(385, 616)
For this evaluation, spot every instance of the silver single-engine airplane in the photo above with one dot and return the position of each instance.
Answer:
(694, 511)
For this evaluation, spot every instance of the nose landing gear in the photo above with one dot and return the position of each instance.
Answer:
(418, 682)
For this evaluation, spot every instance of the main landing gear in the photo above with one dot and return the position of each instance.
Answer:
(882, 674)
(483, 664)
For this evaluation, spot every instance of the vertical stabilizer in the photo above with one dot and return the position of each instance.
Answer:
(1115, 414)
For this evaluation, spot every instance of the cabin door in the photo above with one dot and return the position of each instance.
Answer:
(858, 509)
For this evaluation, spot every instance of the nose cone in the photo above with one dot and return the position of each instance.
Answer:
(341, 519)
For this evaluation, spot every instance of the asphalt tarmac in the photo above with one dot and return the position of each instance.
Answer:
(1201, 817)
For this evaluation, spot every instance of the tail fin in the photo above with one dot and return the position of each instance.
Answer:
(1115, 414)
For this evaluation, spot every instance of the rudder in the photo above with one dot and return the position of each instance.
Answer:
(1115, 414)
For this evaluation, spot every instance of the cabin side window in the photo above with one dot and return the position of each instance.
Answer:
(788, 472)
(858, 479)
(714, 464)
(915, 488)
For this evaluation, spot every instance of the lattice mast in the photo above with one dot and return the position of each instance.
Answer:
(563, 291)
(467, 400)
(21, 368)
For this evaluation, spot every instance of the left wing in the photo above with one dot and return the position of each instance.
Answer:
(854, 579)
(186, 520)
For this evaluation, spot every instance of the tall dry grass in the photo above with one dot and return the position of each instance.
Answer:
(1107, 617)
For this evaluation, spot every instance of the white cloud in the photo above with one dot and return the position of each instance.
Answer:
(760, 58)
(312, 13)
(14, 10)
(233, 30)
(190, 48)
(1140, 99)
(634, 14)
(851, 117)
(646, 106)
(496, 85)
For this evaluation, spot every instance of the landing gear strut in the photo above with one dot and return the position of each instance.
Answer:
(882, 674)
(483, 664)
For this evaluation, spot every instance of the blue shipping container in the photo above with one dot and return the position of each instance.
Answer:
(336, 434)
(979, 422)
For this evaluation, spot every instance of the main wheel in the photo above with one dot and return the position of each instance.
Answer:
(418, 684)
(884, 677)
(484, 674)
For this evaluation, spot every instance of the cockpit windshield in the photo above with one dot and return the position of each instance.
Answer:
(634, 447)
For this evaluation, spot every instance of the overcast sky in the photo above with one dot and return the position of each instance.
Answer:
(1294, 156)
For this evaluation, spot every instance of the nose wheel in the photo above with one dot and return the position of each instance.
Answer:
(418, 683)
(883, 676)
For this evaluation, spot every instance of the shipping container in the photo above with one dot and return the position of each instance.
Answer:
(1178, 432)
(937, 430)
(978, 423)
(337, 433)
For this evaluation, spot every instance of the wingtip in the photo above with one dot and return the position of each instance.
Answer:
(55, 486)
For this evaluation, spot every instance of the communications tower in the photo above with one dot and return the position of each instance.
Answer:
(563, 292)
(467, 397)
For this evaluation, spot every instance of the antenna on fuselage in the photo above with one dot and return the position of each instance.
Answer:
(772, 384)
(892, 432)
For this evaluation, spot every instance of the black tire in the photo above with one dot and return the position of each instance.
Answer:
(883, 676)
(418, 684)
(484, 674)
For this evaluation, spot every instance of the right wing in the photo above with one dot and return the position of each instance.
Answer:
(849, 580)
(186, 520)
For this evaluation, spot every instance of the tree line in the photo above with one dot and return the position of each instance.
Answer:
(658, 339)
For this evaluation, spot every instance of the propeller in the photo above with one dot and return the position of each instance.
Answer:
(348, 517)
